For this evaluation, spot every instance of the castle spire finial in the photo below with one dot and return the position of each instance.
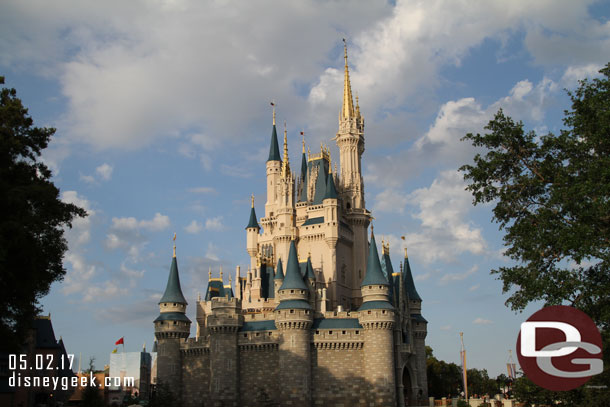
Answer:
(174, 244)
(252, 199)
(273, 105)
(303, 134)
(286, 161)
(347, 111)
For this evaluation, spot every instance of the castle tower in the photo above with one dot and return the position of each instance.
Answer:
(252, 233)
(223, 324)
(274, 164)
(350, 140)
(171, 327)
(285, 211)
(293, 318)
(377, 318)
(419, 326)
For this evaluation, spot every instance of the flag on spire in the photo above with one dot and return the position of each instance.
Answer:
(120, 341)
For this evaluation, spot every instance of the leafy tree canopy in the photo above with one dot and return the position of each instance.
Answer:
(552, 197)
(32, 221)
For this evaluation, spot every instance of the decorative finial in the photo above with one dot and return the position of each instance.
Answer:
(406, 255)
(303, 134)
(210, 272)
(345, 51)
(273, 104)
(174, 244)
(221, 272)
(252, 199)
(199, 296)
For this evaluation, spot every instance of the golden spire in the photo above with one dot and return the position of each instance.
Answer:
(252, 199)
(221, 272)
(303, 134)
(357, 106)
(285, 163)
(174, 244)
(210, 272)
(348, 102)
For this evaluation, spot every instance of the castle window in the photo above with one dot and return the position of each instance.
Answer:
(317, 332)
(357, 332)
(174, 304)
(291, 291)
(383, 312)
(269, 333)
(369, 312)
(245, 335)
(174, 322)
(343, 332)
(330, 332)
(292, 311)
(258, 334)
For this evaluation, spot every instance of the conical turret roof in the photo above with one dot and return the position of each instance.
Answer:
(279, 270)
(331, 191)
(173, 292)
(253, 223)
(274, 149)
(409, 283)
(293, 278)
(374, 275)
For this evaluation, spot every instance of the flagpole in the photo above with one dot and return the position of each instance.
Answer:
(464, 371)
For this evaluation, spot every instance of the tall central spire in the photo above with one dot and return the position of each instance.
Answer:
(285, 162)
(348, 102)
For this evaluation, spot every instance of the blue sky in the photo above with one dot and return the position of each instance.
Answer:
(163, 124)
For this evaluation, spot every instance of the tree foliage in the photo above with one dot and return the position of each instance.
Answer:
(552, 198)
(32, 221)
(91, 395)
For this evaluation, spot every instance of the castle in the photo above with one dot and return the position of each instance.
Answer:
(319, 318)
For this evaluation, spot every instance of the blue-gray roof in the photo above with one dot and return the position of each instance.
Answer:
(173, 292)
(331, 191)
(320, 181)
(293, 304)
(309, 270)
(279, 271)
(409, 284)
(172, 316)
(313, 221)
(336, 323)
(374, 275)
(258, 326)
(419, 318)
(303, 194)
(293, 278)
(388, 270)
(375, 305)
(253, 223)
(274, 149)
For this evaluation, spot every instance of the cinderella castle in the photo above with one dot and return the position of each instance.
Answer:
(320, 318)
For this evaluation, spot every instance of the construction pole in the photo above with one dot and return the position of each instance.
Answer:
(463, 356)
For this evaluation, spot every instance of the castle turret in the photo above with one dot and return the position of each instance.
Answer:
(223, 324)
(171, 326)
(419, 326)
(294, 317)
(377, 318)
(274, 166)
(278, 279)
(252, 233)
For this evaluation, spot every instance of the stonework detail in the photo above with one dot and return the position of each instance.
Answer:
(318, 319)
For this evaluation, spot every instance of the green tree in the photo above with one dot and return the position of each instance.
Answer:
(32, 221)
(91, 394)
(443, 378)
(552, 198)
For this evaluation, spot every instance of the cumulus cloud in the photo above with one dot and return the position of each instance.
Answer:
(202, 190)
(194, 227)
(131, 234)
(214, 223)
(482, 321)
(453, 277)
(80, 233)
(104, 171)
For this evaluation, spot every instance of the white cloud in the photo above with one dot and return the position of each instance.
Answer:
(445, 328)
(212, 252)
(89, 179)
(159, 222)
(474, 287)
(453, 277)
(80, 233)
(445, 233)
(482, 321)
(194, 227)
(104, 171)
(130, 234)
(214, 223)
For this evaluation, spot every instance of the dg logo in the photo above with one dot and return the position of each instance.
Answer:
(560, 348)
